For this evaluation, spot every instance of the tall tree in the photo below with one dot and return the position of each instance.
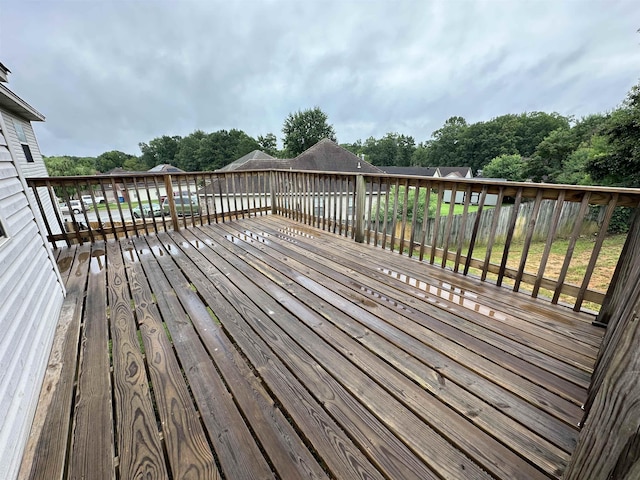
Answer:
(392, 149)
(445, 146)
(109, 160)
(303, 129)
(188, 155)
(68, 165)
(509, 167)
(621, 166)
(269, 144)
(160, 150)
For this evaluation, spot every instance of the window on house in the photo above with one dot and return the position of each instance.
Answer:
(23, 140)
(27, 153)
(20, 131)
(3, 232)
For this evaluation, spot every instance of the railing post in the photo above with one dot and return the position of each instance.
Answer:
(168, 186)
(359, 209)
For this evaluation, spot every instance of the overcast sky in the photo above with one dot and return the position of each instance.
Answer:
(110, 74)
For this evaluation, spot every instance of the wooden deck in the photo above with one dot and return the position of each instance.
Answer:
(262, 348)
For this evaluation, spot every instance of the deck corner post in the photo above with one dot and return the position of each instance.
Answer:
(359, 209)
(172, 204)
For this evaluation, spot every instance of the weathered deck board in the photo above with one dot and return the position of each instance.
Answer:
(262, 348)
(186, 445)
(47, 448)
(93, 409)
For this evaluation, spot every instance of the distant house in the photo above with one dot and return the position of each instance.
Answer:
(165, 168)
(328, 156)
(256, 160)
(438, 172)
(325, 156)
(28, 315)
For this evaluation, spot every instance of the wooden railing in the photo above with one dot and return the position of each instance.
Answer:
(491, 237)
(132, 205)
(609, 443)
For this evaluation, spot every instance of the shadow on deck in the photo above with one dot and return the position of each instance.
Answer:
(263, 348)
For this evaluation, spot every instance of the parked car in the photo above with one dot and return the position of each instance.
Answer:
(153, 210)
(88, 202)
(74, 206)
(185, 205)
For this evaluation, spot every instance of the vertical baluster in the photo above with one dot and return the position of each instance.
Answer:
(492, 234)
(80, 188)
(108, 208)
(394, 214)
(463, 227)
(386, 212)
(447, 232)
(425, 218)
(529, 236)
(367, 220)
(551, 235)
(340, 192)
(378, 201)
(140, 206)
(119, 205)
(160, 202)
(405, 206)
(507, 243)
(436, 224)
(602, 233)
(182, 199)
(56, 211)
(476, 227)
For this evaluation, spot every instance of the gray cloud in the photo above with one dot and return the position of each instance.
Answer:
(110, 74)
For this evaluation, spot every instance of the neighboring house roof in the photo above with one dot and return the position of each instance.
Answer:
(328, 156)
(459, 172)
(256, 160)
(324, 156)
(417, 171)
(440, 172)
(13, 103)
(165, 168)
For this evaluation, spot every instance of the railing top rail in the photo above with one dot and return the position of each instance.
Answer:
(598, 194)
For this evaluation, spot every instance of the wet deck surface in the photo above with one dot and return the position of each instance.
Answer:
(262, 348)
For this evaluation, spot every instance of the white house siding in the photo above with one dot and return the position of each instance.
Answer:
(30, 300)
(36, 168)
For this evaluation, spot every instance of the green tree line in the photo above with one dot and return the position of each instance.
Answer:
(598, 149)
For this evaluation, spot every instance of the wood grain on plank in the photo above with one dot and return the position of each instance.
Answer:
(345, 459)
(236, 450)
(437, 415)
(341, 398)
(138, 440)
(92, 437)
(188, 451)
(46, 451)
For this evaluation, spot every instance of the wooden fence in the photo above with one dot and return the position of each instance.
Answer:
(388, 211)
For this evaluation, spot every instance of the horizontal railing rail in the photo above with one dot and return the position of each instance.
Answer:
(475, 227)
(88, 208)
